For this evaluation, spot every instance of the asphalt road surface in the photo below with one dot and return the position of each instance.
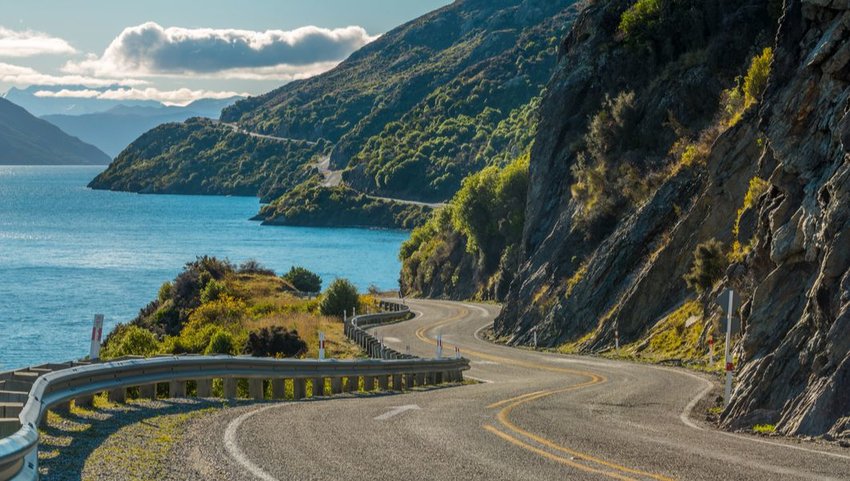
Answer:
(533, 416)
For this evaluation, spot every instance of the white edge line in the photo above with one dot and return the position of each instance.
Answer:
(235, 452)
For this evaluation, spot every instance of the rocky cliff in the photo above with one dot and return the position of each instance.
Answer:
(684, 147)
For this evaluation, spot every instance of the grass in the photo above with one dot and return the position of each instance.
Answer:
(764, 428)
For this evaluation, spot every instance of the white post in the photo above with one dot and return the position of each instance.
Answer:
(96, 335)
(535, 338)
(617, 340)
(729, 367)
(353, 312)
(344, 316)
(382, 347)
(321, 346)
(457, 352)
(439, 346)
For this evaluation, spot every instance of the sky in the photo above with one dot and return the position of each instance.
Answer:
(177, 51)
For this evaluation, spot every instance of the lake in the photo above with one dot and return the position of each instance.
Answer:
(68, 252)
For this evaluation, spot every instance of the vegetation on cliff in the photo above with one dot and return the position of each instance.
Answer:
(482, 225)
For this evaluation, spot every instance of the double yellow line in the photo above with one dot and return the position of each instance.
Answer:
(592, 464)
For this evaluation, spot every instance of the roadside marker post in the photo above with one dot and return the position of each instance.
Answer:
(321, 346)
(535, 338)
(617, 340)
(439, 346)
(96, 335)
(730, 303)
(382, 347)
(457, 352)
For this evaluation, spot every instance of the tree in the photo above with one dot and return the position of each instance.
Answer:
(341, 296)
(303, 279)
(274, 341)
(708, 266)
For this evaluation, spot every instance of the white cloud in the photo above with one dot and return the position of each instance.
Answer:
(24, 76)
(150, 49)
(181, 96)
(28, 43)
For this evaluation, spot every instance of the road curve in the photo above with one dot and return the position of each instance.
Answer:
(533, 416)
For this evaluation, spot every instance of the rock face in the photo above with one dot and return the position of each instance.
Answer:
(796, 348)
(624, 270)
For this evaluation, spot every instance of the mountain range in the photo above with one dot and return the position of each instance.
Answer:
(28, 140)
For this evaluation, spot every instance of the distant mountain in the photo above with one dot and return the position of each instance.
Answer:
(27, 140)
(113, 130)
(40, 106)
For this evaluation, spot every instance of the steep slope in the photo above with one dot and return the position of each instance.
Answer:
(113, 130)
(755, 199)
(657, 179)
(27, 140)
(414, 112)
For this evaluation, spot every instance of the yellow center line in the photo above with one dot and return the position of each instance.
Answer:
(504, 420)
(555, 458)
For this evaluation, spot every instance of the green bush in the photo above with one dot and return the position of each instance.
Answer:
(303, 279)
(640, 17)
(708, 267)
(757, 75)
(220, 343)
(129, 340)
(213, 291)
(341, 296)
(274, 341)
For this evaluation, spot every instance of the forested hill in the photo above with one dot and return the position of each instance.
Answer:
(407, 116)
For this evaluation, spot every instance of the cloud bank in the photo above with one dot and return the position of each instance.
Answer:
(181, 96)
(28, 43)
(150, 50)
(24, 76)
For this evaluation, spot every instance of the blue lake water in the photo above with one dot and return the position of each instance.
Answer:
(67, 252)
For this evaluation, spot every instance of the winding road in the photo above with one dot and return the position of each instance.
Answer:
(532, 416)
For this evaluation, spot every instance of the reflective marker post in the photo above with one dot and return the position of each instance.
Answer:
(321, 346)
(96, 335)
(730, 302)
(439, 346)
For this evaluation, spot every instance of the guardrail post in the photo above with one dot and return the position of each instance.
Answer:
(420, 379)
(177, 389)
(147, 391)
(318, 386)
(352, 384)
(384, 382)
(368, 383)
(336, 385)
(204, 388)
(299, 389)
(397, 382)
(278, 389)
(84, 401)
(431, 378)
(408, 380)
(118, 395)
(255, 389)
(229, 387)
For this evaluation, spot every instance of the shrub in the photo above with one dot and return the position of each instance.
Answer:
(213, 290)
(709, 264)
(130, 341)
(303, 279)
(757, 75)
(225, 310)
(220, 343)
(274, 341)
(641, 16)
(341, 296)
(252, 266)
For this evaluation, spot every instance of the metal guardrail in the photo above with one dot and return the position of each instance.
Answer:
(355, 329)
(19, 452)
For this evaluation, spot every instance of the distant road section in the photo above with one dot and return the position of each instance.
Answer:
(533, 416)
